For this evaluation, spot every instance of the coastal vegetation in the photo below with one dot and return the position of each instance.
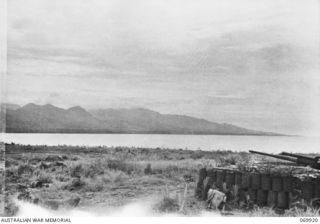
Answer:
(69, 177)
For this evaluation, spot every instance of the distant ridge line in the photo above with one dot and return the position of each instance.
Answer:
(33, 118)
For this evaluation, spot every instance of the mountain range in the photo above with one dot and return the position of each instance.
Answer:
(33, 118)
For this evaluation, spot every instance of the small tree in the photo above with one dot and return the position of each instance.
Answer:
(148, 169)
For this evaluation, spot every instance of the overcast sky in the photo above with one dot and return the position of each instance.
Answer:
(251, 63)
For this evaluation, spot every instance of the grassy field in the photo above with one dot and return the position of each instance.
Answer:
(103, 180)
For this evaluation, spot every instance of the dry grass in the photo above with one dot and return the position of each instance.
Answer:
(293, 212)
(118, 175)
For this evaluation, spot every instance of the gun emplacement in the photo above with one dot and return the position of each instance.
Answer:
(295, 158)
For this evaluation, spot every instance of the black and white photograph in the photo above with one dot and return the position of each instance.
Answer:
(160, 108)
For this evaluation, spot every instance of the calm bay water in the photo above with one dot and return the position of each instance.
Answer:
(270, 144)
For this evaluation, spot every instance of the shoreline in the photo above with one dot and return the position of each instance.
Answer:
(38, 148)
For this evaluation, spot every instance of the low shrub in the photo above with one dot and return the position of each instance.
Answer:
(116, 176)
(167, 205)
(76, 184)
(45, 178)
(148, 169)
(93, 185)
(93, 170)
(25, 169)
(62, 178)
(76, 171)
(128, 168)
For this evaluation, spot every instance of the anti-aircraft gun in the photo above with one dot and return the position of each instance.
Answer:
(277, 185)
(313, 162)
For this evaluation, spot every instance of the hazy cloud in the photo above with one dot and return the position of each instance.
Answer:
(253, 63)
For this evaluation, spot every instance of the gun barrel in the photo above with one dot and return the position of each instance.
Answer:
(275, 156)
(305, 160)
(297, 156)
(300, 160)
